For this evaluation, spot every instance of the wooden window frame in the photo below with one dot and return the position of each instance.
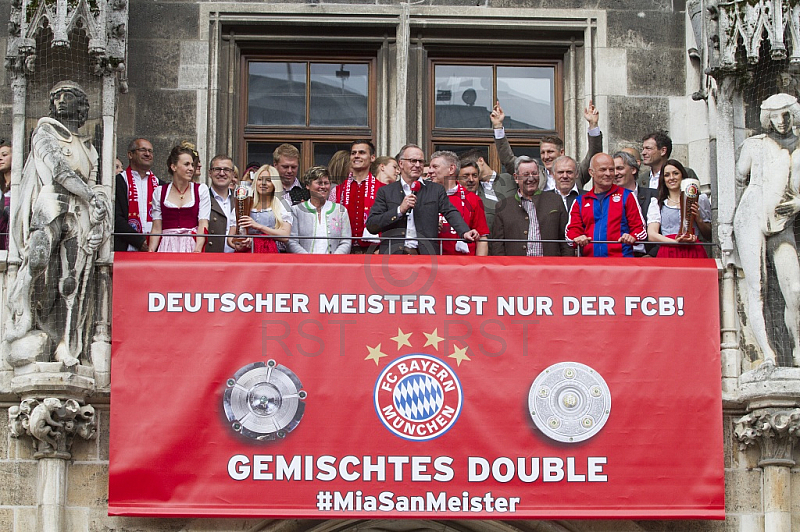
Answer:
(305, 136)
(485, 136)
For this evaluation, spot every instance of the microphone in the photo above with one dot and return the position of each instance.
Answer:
(415, 186)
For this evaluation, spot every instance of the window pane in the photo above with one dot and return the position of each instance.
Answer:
(277, 94)
(463, 96)
(460, 149)
(339, 94)
(261, 152)
(526, 95)
(324, 151)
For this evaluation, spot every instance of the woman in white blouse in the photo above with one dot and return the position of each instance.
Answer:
(180, 208)
(664, 215)
(324, 224)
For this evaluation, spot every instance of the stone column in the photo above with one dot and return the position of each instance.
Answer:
(775, 431)
(51, 424)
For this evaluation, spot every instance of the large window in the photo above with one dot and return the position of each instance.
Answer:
(319, 106)
(464, 93)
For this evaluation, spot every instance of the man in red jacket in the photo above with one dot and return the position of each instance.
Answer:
(607, 213)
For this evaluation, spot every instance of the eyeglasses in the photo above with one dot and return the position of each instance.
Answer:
(221, 170)
(413, 162)
(144, 150)
(528, 174)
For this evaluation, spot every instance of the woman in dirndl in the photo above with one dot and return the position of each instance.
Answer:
(664, 216)
(180, 208)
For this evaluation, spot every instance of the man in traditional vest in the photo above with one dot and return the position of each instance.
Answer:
(134, 198)
(357, 193)
(223, 215)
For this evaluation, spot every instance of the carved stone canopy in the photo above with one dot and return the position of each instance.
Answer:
(103, 21)
(727, 23)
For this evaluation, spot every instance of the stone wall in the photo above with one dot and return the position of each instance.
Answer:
(641, 81)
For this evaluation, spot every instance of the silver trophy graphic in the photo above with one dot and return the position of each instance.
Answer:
(264, 401)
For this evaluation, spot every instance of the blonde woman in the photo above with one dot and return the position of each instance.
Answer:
(267, 216)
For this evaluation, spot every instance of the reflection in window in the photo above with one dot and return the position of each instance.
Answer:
(324, 151)
(277, 94)
(261, 152)
(339, 94)
(527, 97)
(463, 96)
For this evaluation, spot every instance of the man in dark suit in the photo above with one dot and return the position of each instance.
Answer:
(223, 215)
(626, 171)
(530, 215)
(133, 197)
(406, 219)
(492, 187)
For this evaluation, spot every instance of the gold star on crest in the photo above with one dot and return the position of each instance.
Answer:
(375, 354)
(433, 339)
(402, 339)
(459, 354)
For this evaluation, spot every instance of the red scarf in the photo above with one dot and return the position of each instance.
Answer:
(358, 220)
(134, 217)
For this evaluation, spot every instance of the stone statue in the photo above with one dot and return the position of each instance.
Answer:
(52, 424)
(60, 222)
(765, 211)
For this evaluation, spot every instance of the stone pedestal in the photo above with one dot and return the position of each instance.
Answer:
(51, 413)
(775, 431)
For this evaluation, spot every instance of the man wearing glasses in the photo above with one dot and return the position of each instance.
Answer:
(406, 212)
(223, 214)
(133, 201)
(530, 215)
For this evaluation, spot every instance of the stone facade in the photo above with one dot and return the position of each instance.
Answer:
(181, 82)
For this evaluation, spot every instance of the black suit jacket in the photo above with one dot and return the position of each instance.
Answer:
(124, 233)
(431, 200)
(217, 225)
(644, 195)
(511, 221)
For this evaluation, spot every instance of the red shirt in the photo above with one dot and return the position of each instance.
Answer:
(358, 199)
(471, 208)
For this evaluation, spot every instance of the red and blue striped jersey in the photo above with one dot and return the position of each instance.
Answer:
(606, 217)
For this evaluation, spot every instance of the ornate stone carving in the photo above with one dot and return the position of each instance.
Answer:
(765, 211)
(63, 220)
(774, 431)
(105, 22)
(721, 26)
(52, 424)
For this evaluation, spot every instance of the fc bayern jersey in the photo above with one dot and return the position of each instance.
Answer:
(607, 217)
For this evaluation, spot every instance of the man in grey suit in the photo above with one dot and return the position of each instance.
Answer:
(550, 148)
(405, 218)
(530, 215)
(626, 171)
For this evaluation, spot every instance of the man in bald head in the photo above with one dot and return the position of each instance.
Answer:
(607, 213)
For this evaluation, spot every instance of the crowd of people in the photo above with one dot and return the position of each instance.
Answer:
(448, 203)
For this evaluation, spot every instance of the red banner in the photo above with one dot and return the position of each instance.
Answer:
(424, 387)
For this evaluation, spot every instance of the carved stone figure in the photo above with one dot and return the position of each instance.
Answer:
(52, 423)
(762, 223)
(60, 223)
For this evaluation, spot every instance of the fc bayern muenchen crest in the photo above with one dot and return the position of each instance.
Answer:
(418, 397)
(264, 401)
